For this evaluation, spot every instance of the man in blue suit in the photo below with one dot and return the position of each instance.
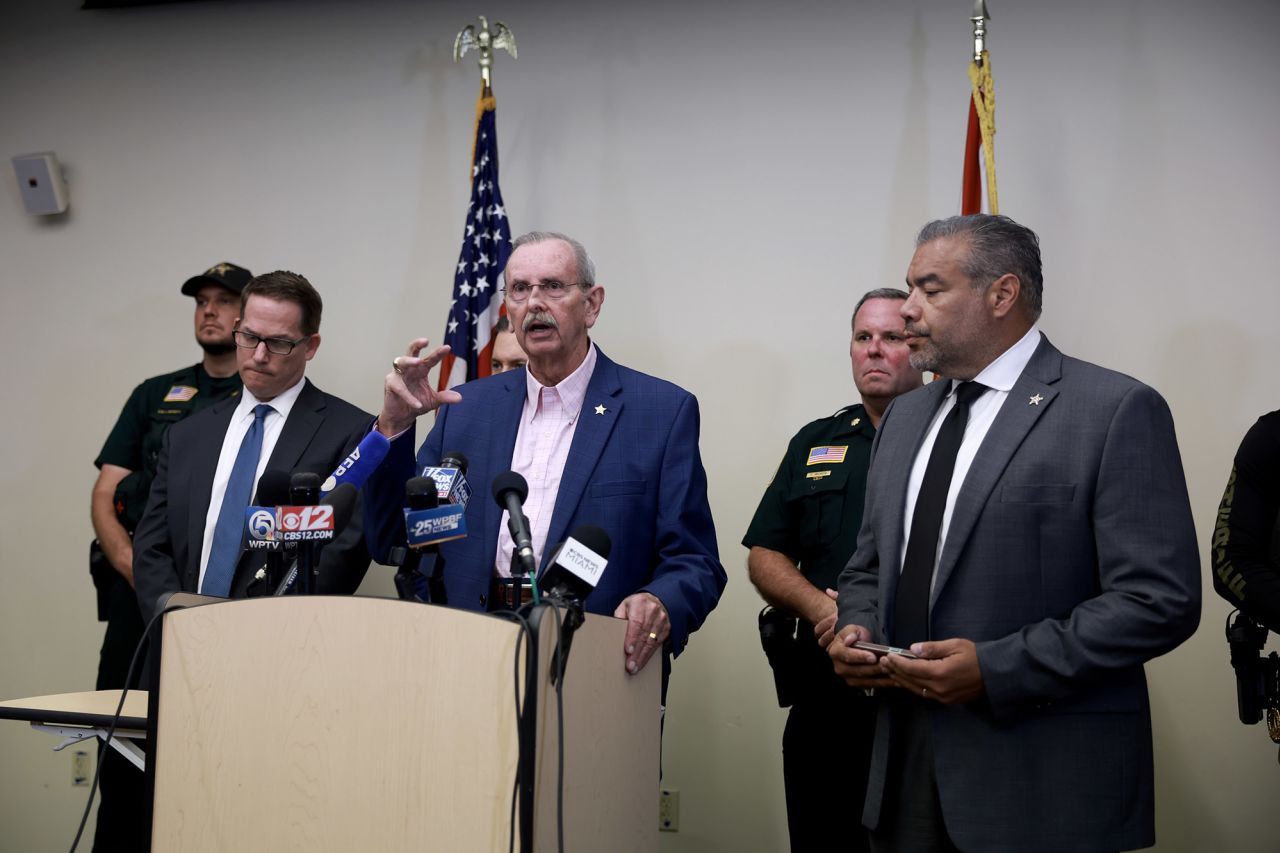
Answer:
(597, 442)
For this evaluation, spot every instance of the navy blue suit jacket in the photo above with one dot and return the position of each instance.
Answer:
(634, 470)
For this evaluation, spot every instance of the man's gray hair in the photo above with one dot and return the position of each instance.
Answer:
(878, 293)
(586, 269)
(997, 246)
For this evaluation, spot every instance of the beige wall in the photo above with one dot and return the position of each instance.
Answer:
(741, 174)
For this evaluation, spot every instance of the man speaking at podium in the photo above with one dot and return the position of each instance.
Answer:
(598, 443)
(190, 537)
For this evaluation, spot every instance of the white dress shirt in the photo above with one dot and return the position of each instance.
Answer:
(241, 420)
(999, 376)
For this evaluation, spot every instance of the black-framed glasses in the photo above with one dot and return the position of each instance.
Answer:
(278, 346)
(520, 291)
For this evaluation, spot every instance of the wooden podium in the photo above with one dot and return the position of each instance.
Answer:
(338, 723)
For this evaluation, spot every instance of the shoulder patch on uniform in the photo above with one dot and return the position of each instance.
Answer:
(827, 454)
(180, 394)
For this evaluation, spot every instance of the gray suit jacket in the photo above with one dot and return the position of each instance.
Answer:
(1070, 561)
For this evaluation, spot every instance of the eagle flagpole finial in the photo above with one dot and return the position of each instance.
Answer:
(484, 41)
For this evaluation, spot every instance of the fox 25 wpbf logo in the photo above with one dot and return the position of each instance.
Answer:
(296, 523)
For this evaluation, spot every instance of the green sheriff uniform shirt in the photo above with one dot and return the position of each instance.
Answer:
(134, 442)
(812, 510)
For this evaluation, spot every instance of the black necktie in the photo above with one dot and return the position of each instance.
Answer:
(911, 609)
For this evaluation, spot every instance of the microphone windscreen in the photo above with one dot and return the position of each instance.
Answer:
(509, 481)
(455, 459)
(594, 538)
(273, 488)
(420, 493)
(304, 480)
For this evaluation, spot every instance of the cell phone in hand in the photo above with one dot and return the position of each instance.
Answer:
(885, 650)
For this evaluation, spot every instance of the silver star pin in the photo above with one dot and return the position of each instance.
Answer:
(856, 421)
(1035, 401)
(600, 409)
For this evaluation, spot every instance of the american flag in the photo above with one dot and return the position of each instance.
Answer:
(827, 454)
(477, 279)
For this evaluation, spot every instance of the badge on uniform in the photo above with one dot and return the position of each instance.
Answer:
(180, 394)
(827, 454)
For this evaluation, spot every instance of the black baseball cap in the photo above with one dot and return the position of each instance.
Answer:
(225, 274)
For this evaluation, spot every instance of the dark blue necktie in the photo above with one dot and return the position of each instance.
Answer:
(911, 606)
(228, 534)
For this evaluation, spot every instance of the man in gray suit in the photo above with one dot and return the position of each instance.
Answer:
(1031, 518)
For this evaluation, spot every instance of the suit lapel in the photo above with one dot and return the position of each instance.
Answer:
(305, 419)
(1015, 420)
(203, 466)
(600, 411)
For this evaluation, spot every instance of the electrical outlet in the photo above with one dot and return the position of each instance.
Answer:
(669, 810)
(80, 770)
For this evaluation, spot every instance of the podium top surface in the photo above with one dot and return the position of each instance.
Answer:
(93, 708)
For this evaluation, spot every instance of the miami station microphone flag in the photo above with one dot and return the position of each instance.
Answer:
(486, 245)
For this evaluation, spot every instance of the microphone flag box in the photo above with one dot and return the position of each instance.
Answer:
(363, 461)
(451, 485)
(260, 525)
(424, 527)
(582, 561)
(304, 523)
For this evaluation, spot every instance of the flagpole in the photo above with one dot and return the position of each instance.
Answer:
(982, 127)
(486, 240)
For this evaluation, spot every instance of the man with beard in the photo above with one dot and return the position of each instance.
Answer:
(801, 537)
(1028, 537)
(127, 465)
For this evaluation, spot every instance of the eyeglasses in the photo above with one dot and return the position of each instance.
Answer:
(279, 346)
(520, 291)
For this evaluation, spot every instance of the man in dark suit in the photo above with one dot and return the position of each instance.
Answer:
(1027, 534)
(597, 442)
(190, 537)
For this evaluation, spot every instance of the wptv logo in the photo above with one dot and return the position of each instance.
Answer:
(270, 528)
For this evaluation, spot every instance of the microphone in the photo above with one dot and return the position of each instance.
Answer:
(577, 565)
(304, 488)
(331, 515)
(273, 487)
(362, 462)
(305, 523)
(510, 490)
(427, 522)
(573, 574)
(421, 498)
(261, 523)
(450, 478)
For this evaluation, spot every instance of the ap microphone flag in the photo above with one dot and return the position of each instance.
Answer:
(362, 462)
